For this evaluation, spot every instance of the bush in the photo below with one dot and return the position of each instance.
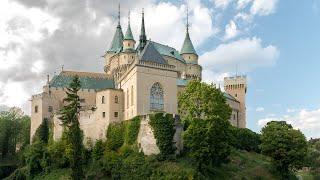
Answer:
(133, 130)
(163, 129)
(245, 139)
(98, 149)
(115, 136)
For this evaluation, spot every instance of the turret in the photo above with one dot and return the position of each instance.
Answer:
(117, 41)
(128, 41)
(188, 52)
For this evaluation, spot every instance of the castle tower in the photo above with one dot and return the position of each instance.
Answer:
(237, 87)
(188, 52)
(117, 41)
(128, 41)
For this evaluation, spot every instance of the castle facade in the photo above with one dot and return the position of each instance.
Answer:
(141, 77)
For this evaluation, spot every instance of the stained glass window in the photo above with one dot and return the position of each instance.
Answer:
(156, 97)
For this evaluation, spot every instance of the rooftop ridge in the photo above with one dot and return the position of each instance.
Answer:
(85, 74)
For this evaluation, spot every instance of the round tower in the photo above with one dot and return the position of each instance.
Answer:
(128, 41)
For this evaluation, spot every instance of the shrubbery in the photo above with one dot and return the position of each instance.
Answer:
(163, 130)
(245, 139)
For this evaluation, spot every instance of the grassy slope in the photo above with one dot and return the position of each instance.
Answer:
(243, 165)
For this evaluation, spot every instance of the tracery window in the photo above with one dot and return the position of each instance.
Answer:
(156, 97)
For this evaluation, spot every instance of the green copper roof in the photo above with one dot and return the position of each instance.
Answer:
(167, 51)
(117, 40)
(187, 47)
(182, 82)
(88, 80)
(129, 35)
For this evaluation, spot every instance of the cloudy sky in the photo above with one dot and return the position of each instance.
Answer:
(274, 42)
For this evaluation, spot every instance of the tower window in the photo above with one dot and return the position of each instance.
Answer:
(36, 109)
(115, 114)
(50, 109)
(82, 100)
(102, 100)
(131, 95)
(116, 99)
(236, 95)
(103, 114)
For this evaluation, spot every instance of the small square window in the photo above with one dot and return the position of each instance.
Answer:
(82, 100)
(50, 109)
(115, 114)
(103, 114)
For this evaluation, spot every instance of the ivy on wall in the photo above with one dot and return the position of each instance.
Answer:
(126, 132)
(163, 129)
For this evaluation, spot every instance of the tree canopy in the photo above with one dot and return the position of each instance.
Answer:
(286, 146)
(204, 101)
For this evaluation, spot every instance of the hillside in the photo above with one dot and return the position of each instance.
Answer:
(242, 165)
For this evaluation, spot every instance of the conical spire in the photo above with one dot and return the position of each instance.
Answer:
(143, 37)
(129, 35)
(187, 47)
(116, 44)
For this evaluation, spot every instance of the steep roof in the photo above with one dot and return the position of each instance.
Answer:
(88, 80)
(129, 35)
(150, 54)
(167, 51)
(187, 47)
(117, 41)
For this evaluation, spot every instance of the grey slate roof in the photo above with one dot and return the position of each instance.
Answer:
(117, 41)
(187, 47)
(87, 80)
(150, 54)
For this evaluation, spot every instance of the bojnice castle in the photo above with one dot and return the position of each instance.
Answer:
(141, 77)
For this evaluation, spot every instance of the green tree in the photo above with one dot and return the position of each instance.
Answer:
(286, 146)
(98, 150)
(245, 139)
(42, 133)
(208, 141)
(69, 117)
(202, 101)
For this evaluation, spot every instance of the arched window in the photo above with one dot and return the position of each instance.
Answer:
(102, 100)
(116, 99)
(156, 97)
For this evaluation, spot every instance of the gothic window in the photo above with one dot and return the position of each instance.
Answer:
(102, 100)
(156, 97)
(116, 99)
(103, 114)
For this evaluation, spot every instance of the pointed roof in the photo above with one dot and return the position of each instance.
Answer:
(150, 54)
(129, 35)
(187, 47)
(143, 36)
(116, 44)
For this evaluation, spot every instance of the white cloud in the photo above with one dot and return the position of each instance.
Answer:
(259, 109)
(247, 54)
(308, 121)
(243, 3)
(222, 3)
(289, 110)
(231, 30)
(263, 7)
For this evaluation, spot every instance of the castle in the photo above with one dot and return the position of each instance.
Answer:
(140, 79)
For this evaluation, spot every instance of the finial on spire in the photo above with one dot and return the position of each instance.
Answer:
(48, 77)
(129, 17)
(143, 37)
(119, 14)
(188, 18)
(62, 68)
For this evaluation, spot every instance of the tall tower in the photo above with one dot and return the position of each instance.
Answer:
(237, 87)
(117, 41)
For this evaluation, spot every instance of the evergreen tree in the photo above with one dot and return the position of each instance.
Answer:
(42, 133)
(69, 117)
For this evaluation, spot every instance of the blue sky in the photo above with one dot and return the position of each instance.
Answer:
(274, 42)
